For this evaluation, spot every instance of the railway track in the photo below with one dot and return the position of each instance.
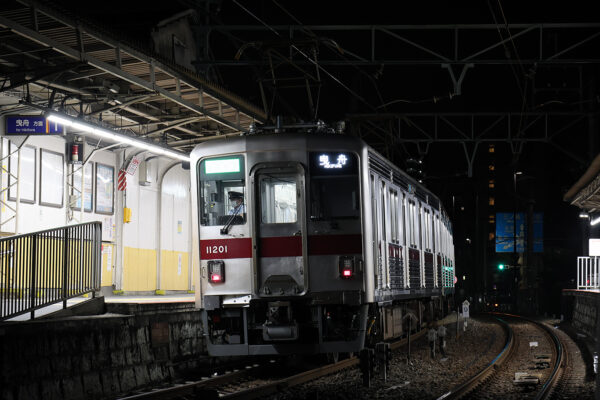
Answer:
(530, 366)
(250, 382)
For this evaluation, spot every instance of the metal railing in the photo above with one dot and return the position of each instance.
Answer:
(42, 268)
(588, 270)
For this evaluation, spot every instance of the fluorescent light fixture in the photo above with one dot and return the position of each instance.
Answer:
(583, 214)
(595, 221)
(114, 136)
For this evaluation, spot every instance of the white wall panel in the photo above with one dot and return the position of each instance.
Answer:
(146, 218)
(34, 217)
(168, 234)
(176, 213)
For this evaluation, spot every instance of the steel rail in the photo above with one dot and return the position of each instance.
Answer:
(559, 364)
(548, 387)
(189, 388)
(303, 377)
(259, 391)
(471, 383)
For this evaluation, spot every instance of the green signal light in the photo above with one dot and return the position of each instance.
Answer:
(500, 267)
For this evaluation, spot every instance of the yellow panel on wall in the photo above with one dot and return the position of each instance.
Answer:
(139, 270)
(174, 274)
(108, 261)
(16, 268)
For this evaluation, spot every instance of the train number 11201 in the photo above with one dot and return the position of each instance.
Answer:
(216, 249)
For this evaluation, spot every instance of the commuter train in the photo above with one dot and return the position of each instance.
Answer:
(331, 249)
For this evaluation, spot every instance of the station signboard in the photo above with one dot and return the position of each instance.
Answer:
(18, 125)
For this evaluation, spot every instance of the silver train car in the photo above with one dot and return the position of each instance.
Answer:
(313, 243)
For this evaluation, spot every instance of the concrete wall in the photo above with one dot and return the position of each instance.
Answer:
(100, 357)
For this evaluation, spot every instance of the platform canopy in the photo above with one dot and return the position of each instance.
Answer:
(50, 59)
(585, 193)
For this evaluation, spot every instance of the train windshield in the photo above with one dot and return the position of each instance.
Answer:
(334, 187)
(222, 191)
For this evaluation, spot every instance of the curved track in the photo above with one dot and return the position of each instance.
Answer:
(528, 367)
(248, 384)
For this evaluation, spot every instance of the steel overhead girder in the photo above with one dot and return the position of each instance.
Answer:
(424, 129)
(454, 40)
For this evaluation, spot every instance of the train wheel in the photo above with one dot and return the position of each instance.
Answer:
(332, 358)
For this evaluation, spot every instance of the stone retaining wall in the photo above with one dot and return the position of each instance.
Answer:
(582, 310)
(99, 357)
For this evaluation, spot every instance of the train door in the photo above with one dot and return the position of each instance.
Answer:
(280, 230)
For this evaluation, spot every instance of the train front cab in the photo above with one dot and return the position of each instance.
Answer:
(288, 269)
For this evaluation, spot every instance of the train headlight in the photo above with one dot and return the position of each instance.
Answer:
(346, 267)
(216, 271)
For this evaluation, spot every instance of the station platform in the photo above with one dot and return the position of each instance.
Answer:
(108, 298)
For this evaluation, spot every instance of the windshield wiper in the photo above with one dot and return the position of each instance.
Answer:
(225, 229)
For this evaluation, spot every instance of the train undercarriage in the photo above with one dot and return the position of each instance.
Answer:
(292, 326)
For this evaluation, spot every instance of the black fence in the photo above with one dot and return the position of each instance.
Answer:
(43, 268)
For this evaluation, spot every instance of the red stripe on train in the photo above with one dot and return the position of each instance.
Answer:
(282, 246)
(212, 249)
(291, 246)
(319, 245)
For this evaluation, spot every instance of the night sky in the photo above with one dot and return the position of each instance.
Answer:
(547, 172)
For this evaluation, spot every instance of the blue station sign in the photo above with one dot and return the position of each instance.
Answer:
(31, 125)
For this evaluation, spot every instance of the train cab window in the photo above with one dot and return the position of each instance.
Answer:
(222, 191)
(278, 199)
(334, 186)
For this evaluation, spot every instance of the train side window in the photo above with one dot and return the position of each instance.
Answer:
(414, 225)
(436, 234)
(421, 227)
(376, 250)
(394, 214)
(278, 199)
(383, 213)
(427, 229)
(420, 223)
(425, 233)
(403, 221)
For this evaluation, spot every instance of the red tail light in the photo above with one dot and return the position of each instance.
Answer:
(216, 271)
(346, 267)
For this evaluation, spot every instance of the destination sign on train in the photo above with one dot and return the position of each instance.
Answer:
(31, 125)
(221, 166)
(333, 163)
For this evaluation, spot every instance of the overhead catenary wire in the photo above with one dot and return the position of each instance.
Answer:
(522, 90)
(316, 64)
(339, 51)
